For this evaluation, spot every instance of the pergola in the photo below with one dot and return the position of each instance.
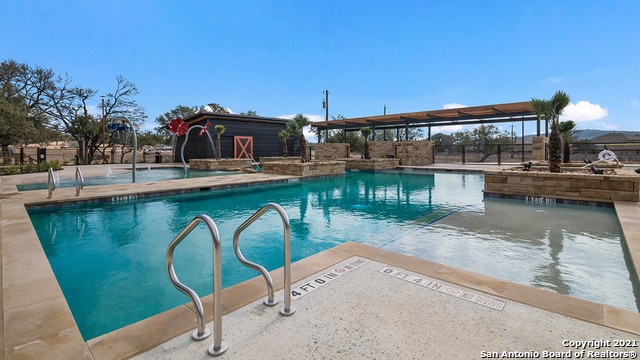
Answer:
(485, 114)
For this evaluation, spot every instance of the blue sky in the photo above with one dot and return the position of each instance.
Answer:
(277, 57)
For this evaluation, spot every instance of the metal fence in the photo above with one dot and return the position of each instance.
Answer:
(516, 153)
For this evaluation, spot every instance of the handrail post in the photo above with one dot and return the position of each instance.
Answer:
(79, 181)
(51, 183)
(218, 347)
(287, 309)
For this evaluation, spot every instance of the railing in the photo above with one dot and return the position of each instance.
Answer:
(51, 183)
(201, 332)
(218, 347)
(270, 301)
(79, 181)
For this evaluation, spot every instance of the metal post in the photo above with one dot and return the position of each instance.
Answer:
(463, 156)
(523, 140)
(104, 156)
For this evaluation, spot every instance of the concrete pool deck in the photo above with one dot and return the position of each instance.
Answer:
(364, 314)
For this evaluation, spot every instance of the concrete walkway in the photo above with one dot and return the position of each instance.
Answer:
(377, 311)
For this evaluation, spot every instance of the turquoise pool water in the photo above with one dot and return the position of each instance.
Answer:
(142, 175)
(110, 258)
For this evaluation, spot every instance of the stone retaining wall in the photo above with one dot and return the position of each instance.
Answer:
(578, 187)
(372, 164)
(213, 164)
(382, 149)
(331, 151)
(290, 159)
(415, 153)
(308, 169)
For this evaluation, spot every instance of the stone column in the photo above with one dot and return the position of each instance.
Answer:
(538, 148)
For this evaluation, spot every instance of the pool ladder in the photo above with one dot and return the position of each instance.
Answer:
(202, 332)
(51, 182)
(79, 181)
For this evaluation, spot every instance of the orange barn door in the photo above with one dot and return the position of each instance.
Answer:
(243, 147)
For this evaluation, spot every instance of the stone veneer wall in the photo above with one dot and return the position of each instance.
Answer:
(372, 164)
(290, 159)
(213, 164)
(331, 151)
(382, 149)
(415, 153)
(308, 169)
(578, 187)
(538, 146)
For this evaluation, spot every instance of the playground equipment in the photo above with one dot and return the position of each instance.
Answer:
(178, 127)
(606, 156)
(124, 125)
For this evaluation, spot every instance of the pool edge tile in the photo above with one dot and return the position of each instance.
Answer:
(621, 319)
(142, 335)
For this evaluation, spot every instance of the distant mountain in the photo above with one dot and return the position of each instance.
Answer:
(589, 134)
(600, 136)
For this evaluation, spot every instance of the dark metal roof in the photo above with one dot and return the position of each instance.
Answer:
(486, 114)
(233, 117)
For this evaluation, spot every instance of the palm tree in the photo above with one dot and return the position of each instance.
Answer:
(295, 127)
(284, 135)
(558, 102)
(550, 110)
(219, 130)
(566, 131)
(540, 109)
(365, 131)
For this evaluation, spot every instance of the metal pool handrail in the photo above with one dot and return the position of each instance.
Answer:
(79, 181)
(270, 301)
(51, 183)
(218, 347)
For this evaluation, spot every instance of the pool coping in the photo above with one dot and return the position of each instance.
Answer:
(37, 321)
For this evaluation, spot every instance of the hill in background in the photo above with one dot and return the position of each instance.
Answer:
(589, 134)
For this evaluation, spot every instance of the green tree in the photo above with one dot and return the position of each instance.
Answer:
(567, 129)
(219, 130)
(215, 108)
(365, 131)
(442, 142)
(22, 90)
(284, 135)
(149, 138)
(67, 106)
(295, 127)
(487, 140)
(355, 141)
(180, 111)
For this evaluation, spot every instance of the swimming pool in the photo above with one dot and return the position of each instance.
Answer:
(142, 175)
(109, 257)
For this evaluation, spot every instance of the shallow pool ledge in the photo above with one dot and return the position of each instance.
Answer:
(629, 218)
(568, 186)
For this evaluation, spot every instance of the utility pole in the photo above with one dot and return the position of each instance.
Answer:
(104, 156)
(325, 106)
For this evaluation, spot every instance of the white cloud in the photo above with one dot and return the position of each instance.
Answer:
(447, 129)
(555, 80)
(584, 111)
(453, 106)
